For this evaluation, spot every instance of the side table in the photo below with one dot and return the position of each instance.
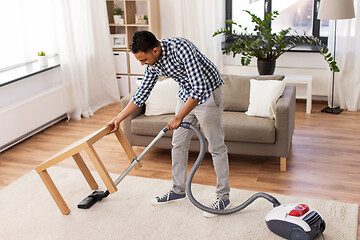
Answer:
(302, 79)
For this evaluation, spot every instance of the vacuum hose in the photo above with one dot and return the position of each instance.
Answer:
(196, 166)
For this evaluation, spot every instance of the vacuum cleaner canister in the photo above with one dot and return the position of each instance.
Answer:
(295, 222)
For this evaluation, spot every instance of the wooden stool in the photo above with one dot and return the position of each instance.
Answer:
(73, 151)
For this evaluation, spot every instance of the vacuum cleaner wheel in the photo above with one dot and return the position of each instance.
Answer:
(298, 234)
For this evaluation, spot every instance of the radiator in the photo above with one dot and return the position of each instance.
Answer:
(29, 116)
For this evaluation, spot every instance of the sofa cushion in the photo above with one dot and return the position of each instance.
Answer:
(239, 127)
(152, 125)
(263, 97)
(237, 90)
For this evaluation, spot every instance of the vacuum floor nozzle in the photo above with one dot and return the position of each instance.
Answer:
(92, 199)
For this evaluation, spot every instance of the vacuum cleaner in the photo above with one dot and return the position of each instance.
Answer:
(293, 221)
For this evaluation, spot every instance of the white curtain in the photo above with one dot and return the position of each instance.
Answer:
(197, 20)
(347, 81)
(87, 62)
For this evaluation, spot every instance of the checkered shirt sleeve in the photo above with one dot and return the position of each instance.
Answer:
(144, 90)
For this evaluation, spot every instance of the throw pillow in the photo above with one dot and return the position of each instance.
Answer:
(263, 97)
(163, 97)
(237, 90)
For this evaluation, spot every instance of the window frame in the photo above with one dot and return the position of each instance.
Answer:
(267, 9)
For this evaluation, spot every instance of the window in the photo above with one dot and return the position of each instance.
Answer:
(300, 15)
(27, 27)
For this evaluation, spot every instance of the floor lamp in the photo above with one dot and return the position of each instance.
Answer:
(334, 10)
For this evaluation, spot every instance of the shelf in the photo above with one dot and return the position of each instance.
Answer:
(126, 0)
(121, 49)
(128, 25)
(137, 25)
(117, 25)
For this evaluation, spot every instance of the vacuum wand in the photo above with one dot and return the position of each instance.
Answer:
(99, 195)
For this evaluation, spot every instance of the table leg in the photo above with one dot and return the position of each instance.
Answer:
(308, 98)
(85, 171)
(104, 174)
(127, 147)
(54, 192)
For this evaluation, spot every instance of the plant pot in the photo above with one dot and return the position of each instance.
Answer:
(118, 19)
(43, 61)
(266, 67)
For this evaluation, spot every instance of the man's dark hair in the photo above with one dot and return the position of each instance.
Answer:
(143, 41)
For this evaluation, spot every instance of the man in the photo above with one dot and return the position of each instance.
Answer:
(200, 98)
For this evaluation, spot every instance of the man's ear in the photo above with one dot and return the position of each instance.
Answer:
(156, 50)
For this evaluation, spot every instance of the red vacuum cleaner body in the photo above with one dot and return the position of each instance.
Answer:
(295, 222)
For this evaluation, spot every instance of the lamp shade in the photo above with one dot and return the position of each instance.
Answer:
(336, 9)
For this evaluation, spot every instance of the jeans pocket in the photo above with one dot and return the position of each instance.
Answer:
(217, 94)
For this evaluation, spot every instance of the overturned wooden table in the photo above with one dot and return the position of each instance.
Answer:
(73, 151)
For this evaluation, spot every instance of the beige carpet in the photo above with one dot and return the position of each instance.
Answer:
(28, 212)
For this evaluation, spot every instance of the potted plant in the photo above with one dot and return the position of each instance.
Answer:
(118, 18)
(145, 19)
(42, 59)
(267, 46)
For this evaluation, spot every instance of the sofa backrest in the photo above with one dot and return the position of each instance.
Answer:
(237, 90)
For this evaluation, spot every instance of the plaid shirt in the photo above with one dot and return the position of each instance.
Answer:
(180, 60)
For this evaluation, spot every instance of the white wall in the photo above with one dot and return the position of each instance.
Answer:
(291, 63)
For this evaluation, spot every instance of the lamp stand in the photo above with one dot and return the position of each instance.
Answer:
(331, 109)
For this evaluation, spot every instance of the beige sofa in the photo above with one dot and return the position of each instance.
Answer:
(245, 135)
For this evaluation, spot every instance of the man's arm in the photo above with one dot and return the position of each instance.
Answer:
(143, 92)
(185, 110)
(129, 109)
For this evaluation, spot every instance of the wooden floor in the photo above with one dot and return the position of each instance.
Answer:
(324, 161)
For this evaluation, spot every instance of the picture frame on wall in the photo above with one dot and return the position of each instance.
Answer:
(118, 40)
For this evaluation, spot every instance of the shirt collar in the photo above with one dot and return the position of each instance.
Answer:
(164, 51)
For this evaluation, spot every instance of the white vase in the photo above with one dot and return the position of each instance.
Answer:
(118, 19)
(43, 61)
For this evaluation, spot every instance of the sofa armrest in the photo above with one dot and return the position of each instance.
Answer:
(126, 123)
(285, 119)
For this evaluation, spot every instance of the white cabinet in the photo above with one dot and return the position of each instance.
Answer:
(135, 65)
(121, 62)
(123, 84)
(133, 85)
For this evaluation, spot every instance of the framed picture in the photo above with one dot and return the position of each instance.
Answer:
(118, 40)
(139, 19)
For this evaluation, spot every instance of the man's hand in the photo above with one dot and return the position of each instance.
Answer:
(174, 123)
(115, 124)
(188, 107)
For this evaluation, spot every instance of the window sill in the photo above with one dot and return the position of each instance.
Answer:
(300, 48)
(27, 70)
(304, 48)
